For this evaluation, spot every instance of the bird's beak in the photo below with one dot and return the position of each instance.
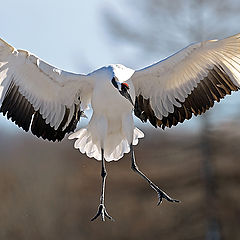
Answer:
(127, 96)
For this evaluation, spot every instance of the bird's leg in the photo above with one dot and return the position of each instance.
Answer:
(161, 194)
(102, 209)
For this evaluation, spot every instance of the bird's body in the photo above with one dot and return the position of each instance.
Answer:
(111, 126)
(49, 101)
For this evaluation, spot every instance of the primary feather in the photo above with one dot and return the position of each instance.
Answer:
(188, 82)
(35, 94)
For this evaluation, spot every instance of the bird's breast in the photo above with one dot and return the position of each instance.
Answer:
(107, 100)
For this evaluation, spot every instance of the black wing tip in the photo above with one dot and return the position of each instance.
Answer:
(20, 111)
(211, 89)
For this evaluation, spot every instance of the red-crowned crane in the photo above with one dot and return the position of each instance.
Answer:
(50, 102)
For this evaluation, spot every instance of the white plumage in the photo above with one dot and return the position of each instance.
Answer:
(36, 95)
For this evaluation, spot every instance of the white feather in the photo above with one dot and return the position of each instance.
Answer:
(46, 87)
(177, 76)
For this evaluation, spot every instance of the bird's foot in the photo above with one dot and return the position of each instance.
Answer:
(162, 194)
(103, 213)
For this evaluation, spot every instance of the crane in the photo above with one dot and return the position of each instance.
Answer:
(49, 101)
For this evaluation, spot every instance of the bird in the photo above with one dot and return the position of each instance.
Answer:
(50, 102)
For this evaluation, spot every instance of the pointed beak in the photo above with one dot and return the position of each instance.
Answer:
(127, 96)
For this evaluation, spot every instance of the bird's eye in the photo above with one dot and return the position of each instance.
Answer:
(124, 86)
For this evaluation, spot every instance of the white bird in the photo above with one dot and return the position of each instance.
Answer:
(50, 102)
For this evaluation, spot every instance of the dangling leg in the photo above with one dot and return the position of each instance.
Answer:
(101, 209)
(160, 193)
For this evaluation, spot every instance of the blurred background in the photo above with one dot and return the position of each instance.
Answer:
(51, 191)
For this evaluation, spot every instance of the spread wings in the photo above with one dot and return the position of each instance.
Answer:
(188, 82)
(35, 95)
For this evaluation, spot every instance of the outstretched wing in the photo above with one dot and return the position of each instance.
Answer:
(188, 82)
(35, 95)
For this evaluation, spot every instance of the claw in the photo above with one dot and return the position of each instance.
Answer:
(103, 212)
(159, 200)
(162, 195)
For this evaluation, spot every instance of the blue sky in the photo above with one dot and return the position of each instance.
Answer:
(68, 34)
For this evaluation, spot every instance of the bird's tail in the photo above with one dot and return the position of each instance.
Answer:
(114, 147)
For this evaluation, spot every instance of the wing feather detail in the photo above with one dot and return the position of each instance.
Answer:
(39, 97)
(187, 83)
(212, 88)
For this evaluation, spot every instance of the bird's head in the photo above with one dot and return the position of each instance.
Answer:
(121, 75)
(123, 89)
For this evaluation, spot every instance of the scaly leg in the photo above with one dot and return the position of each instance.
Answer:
(102, 209)
(160, 193)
